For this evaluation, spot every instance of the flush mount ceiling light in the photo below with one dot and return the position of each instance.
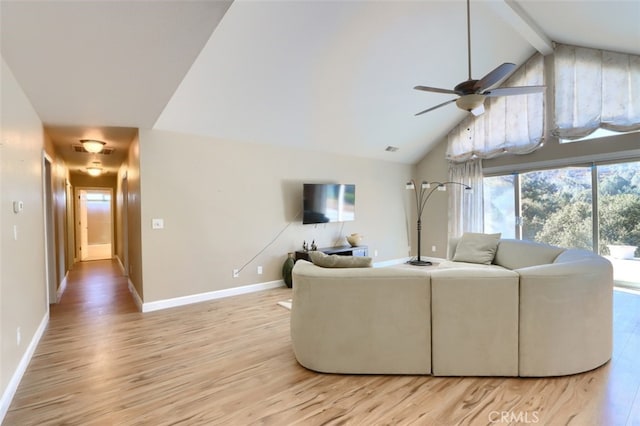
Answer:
(95, 169)
(92, 145)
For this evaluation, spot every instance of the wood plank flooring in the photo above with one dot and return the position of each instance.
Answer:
(230, 362)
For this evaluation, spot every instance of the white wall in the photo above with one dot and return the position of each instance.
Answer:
(223, 202)
(433, 167)
(23, 302)
(128, 241)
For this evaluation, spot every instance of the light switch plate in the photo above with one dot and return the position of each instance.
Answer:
(157, 223)
(18, 206)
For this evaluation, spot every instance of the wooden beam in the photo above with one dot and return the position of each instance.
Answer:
(513, 13)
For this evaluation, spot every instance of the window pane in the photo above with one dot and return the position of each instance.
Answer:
(556, 207)
(619, 216)
(499, 205)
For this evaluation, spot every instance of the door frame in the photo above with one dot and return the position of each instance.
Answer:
(124, 222)
(78, 216)
(49, 230)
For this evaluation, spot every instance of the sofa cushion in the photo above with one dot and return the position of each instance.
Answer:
(477, 248)
(474, 320)
(516, 254)
(336, 261)
(450, 264)
(361, 320)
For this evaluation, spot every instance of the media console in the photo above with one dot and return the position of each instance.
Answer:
(342, 251)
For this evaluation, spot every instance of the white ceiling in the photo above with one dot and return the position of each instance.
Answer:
(323, 75)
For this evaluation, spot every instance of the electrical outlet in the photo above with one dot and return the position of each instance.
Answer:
(236, 273)
(259, 270)
(433, 248)
(18, 336)
(375, 253)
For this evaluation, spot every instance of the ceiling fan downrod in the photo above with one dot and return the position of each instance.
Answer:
(469, 37)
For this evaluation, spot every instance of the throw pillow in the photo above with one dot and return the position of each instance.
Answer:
(336, 261)
(477, 248)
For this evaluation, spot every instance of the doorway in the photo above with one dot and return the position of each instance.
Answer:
(49, 231)
(95, 223)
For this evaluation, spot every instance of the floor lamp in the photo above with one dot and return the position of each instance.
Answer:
(421, 200)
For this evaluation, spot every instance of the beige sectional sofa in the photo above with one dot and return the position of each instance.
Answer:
(536, 310)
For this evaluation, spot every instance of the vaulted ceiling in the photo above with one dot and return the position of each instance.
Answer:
(335, 76)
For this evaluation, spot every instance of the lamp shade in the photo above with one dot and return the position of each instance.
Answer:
(92, 146)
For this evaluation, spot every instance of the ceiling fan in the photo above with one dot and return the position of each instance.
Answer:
(472, 93)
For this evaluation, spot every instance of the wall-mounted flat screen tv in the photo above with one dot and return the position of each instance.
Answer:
(328, 202)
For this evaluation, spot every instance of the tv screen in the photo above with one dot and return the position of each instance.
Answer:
(328, 202)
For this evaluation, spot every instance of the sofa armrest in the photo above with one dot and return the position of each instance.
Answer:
(565, 316)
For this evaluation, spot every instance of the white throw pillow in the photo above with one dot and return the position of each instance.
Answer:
(477, 248)
(336, 261)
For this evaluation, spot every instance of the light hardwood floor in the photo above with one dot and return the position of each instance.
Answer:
(230, 362)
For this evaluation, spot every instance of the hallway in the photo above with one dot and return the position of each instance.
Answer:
(94, 288)
(75, 358)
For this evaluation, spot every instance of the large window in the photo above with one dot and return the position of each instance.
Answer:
(594, 208)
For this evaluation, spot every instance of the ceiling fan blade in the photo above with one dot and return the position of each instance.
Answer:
(511, 91)
(494, 76)
(435, 89)
(436, 107)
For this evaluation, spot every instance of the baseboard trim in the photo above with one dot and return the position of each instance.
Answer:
(136, 297)
(62, 288)
(116, 257)
(203, 297)
(13, 384)
(195, 298)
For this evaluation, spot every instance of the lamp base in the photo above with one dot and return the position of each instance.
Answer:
(419, 262)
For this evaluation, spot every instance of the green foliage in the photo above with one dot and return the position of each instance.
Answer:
(619, 220)
(570, 226)
(539, 199)
(556, 206)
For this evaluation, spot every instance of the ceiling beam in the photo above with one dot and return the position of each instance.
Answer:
(513, 13)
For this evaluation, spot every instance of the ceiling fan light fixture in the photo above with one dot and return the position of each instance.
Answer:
(471, 103)
(92, 146)
(95, 169)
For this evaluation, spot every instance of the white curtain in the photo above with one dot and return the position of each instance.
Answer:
(465, 207)
(510, 124)
(593, 89)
